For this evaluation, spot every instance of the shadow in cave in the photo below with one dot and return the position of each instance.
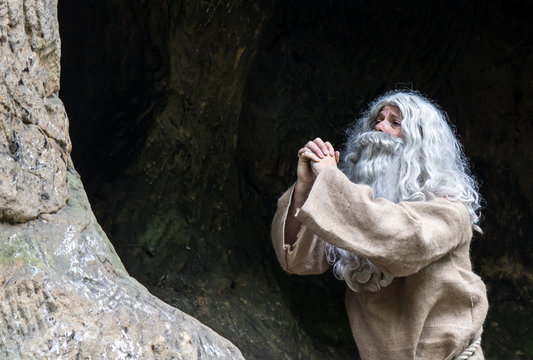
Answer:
(184, 145)
(156, 124)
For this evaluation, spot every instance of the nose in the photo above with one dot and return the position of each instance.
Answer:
(382, 126)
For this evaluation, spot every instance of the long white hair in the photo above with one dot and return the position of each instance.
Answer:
(430, 163)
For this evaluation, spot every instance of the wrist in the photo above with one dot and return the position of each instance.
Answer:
(303, 186)
(301, 192)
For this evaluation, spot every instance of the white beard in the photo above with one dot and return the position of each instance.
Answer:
(372, 159)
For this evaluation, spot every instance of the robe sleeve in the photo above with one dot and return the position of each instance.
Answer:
(400, 238)
(307, 256)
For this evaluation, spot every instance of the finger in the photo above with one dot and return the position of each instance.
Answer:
(337, 156)
(309, 155)
(331, 151)
(306, 149)
(312, 146)
(318, 141)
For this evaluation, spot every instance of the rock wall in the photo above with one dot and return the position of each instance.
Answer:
(34, 138)
(64, 292)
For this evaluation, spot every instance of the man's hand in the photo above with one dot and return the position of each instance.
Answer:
(313, 158)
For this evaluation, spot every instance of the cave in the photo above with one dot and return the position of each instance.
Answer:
(186, 116)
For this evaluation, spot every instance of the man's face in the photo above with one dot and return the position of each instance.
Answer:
(389, 120)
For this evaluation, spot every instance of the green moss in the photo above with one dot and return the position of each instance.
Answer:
(165, 229)
(16, 248)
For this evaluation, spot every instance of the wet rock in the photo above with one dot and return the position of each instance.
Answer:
(64, 292)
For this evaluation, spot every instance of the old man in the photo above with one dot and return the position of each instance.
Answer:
(395, 223)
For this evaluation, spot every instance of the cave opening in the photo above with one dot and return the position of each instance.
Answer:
(185, 117)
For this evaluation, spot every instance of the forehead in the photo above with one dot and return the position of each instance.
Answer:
(392, 110)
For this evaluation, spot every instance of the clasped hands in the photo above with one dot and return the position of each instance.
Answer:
(314, 157)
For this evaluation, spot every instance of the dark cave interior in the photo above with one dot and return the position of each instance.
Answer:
(185, 119)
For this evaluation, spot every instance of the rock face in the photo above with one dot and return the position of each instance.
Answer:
(33, 123)
(65, 294)
(63, 291)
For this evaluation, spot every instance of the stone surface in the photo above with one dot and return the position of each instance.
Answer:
(33, 171)
(64, 293)
(34, 141)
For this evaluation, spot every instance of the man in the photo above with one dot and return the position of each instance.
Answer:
(396, 224)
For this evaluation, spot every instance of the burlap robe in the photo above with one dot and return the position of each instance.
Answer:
(435, 306)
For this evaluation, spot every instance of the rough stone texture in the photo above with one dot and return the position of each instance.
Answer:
(185, 149)
(33, 177)
(33, 123)
(65, 294)
(63, 291)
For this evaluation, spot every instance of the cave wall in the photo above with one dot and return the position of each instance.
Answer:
(64, 293)
(186, 118)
